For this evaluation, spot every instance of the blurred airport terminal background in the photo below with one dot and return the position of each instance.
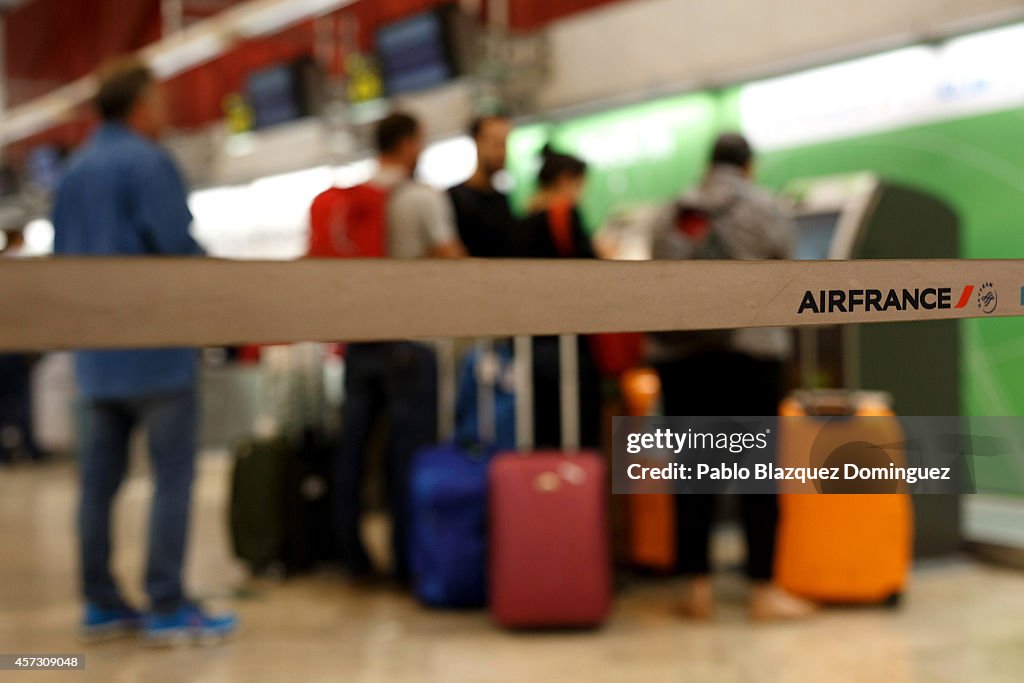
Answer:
(881, 129)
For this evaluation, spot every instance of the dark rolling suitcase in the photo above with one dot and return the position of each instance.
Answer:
(309, 537)
(256, 509)
(280, 508)
(280, 514)
(550, 563)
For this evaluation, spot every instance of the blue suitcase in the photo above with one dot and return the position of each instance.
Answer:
(447, 529)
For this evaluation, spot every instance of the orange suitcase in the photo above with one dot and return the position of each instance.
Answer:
(652, 531)
(841, 548)
(651, 517)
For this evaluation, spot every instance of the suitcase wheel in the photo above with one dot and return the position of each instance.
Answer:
(894, 600)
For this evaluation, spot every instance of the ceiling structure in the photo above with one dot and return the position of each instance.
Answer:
(51, 43)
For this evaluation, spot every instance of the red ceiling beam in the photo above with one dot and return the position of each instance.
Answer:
(61, 40)
(106, 28)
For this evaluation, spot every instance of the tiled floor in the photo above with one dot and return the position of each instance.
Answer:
(962, 621)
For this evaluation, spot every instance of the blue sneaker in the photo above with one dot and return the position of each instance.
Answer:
(100, 624)
(189, 624)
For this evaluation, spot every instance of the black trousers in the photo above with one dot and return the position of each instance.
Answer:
(17, 436)
(546, 403)
(723, 383)
(399, 380)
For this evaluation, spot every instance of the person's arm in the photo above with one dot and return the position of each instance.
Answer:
(460, 204)
(448, 250)
(57, 218)
(782, 234)
(438, 223)
(161, 205)
(582, 243)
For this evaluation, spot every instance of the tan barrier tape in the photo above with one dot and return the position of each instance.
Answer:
(62, 303)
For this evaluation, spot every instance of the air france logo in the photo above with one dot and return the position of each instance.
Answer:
(883, 300)
(987, 298)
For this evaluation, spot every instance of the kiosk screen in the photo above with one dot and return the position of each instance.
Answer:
(815, 233)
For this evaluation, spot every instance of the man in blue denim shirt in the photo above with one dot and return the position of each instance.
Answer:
(123, 195)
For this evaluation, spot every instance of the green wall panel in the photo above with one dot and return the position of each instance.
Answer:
(977, 166)
(637, 154)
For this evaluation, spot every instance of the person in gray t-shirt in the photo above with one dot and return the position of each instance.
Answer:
(419, 218)
(397, 380)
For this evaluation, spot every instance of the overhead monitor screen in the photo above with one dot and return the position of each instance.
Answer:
(414, 53)
(271, 93)
(815, 233)
(283, 92)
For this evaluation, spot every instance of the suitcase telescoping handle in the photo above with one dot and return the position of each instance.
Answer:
(486, 379)
(446, 369)
(488, 371)
(568, 388)
(569, 391)
(842, 403)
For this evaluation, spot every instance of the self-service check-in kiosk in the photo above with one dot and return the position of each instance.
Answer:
(863, 217)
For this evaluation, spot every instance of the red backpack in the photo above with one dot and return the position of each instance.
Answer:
(348, 222)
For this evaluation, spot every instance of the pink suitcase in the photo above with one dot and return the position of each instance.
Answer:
(550, 563)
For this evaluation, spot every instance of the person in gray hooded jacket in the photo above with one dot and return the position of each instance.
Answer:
(747, 223)
(733, 372)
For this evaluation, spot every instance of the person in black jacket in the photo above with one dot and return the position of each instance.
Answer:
(482, 214)
(554, 229)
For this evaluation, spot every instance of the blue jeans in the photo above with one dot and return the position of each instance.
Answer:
(398, 381)
(171, 423)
